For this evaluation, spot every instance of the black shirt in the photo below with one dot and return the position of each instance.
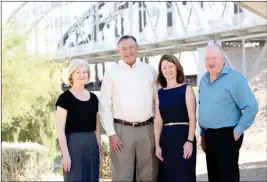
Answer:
(81, 115)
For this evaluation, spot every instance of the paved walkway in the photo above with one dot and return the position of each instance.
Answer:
(252, 167)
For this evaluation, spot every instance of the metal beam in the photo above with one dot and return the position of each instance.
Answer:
(198, 38)
(15, 11)
(148, 46)
(179, 44)
(235, 33)
(180, 18)
(227, 39)
(258, 8)
(41, 18)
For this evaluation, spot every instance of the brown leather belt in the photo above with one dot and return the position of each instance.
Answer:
(134, 124)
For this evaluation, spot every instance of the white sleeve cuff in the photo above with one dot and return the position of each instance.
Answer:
(111, 132)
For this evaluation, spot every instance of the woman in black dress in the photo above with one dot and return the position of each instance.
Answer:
(78, 128)
(175, 123)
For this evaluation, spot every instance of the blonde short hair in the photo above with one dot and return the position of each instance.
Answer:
(73, 65)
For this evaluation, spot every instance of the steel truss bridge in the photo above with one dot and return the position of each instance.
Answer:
(160, 28)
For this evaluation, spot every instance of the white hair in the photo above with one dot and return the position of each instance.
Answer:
(218, 44)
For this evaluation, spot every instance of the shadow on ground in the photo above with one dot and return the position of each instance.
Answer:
(252, 171)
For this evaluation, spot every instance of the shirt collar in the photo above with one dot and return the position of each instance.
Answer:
(128, 66)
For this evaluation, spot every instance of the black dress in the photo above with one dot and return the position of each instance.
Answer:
(81, 139)
(173, 108)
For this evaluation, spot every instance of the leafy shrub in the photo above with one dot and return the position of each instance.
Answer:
(24, 162)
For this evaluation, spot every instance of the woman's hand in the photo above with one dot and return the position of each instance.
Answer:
(158, 153)
(188, 149)
(100, 156)
(66, 162)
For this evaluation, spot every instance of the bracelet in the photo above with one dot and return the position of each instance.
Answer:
(190, 141)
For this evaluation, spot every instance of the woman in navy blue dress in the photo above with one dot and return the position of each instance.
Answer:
(175, 123)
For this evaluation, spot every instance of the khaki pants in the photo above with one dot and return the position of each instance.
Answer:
(138, 142)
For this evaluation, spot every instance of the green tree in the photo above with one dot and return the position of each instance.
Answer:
(30, 87)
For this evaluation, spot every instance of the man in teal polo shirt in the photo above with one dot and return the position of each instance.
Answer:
(227, 107)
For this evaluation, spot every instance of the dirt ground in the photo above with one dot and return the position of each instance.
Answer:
(252, 167)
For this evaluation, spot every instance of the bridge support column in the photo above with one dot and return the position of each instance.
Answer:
(201, 63)
(244, 58)
(130, 17)
(146, 60)
(103, 70)
(96, 74)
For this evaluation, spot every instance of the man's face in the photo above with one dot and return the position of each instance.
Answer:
(214, 60)
(128, 50)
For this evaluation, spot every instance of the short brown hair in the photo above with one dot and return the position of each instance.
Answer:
(180, 71)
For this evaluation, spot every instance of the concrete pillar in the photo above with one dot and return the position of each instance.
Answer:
(244, 58)
(96, 74)
(103, 66)
(201, 62)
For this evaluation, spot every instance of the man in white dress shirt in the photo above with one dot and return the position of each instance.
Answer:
(126, 108)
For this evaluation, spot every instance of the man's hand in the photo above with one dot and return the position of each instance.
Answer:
(236, 136)
(203, 145)
(115, 143)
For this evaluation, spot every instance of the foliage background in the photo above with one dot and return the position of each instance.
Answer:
(30, 87)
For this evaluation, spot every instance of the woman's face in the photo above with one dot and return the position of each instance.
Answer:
(80, 75)
(168, 70)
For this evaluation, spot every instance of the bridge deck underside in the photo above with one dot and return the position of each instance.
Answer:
(171, 45)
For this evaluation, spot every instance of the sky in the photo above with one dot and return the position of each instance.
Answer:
(8, 8)
(187, 57)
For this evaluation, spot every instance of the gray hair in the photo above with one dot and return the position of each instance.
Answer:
(218, 44)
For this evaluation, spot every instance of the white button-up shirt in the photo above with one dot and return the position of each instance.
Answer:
(127, 93)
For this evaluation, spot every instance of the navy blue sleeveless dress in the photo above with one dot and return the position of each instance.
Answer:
(175, 168)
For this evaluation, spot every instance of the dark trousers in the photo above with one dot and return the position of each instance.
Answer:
(222, 153)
